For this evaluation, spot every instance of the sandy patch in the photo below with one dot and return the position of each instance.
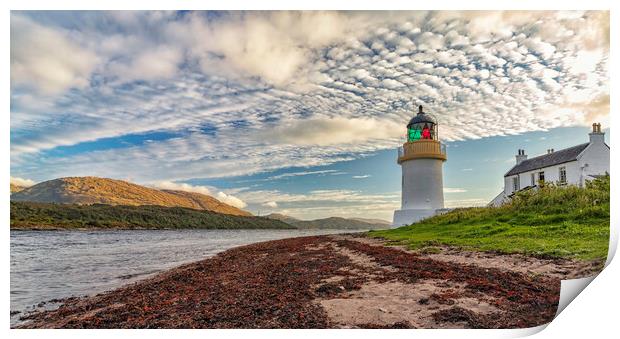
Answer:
(361, 259)
(385, 304)
(379, 304)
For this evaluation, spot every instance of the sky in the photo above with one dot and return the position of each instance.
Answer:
(299, 112)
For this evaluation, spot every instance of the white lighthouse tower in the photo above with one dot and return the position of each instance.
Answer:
(421, 159)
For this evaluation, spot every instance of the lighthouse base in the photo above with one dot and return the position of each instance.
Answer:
(408, 217)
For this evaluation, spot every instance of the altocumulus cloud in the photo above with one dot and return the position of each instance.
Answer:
(243, 93)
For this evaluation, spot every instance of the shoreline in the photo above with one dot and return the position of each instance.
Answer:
(130, 228)
(330, 281)
(37, 229)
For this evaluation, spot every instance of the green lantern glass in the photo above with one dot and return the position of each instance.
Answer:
(413, 134)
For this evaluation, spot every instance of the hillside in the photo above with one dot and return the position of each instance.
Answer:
(331, 223)
(35, 215)
(554, 221)
(93, 190)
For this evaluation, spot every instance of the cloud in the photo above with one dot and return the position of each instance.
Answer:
(169, 185)
(22, 182)
(230, 200)
(271, 204)
(323, 203)
(361, 176)
(221, 196)
(158, 63)
(260, 196)
(304, 173)
(454, 190)
(332, 130)
(594, 110)
(46, 59)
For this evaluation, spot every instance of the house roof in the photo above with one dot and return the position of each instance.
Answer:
(546, 160)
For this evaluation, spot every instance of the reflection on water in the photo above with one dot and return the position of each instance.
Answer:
(47, 265)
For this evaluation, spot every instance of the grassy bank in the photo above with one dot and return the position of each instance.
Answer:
(554, 221)
(31, 215)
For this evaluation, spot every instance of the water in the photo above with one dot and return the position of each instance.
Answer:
(57, 264)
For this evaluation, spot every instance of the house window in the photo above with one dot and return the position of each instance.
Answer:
(541, 178)
(515, 184)
(533, 179)
(562, 175)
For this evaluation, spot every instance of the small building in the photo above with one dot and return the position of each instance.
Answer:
(570, 166)
(421, 158)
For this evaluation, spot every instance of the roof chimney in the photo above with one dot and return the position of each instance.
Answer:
(521, 156)
(596, 136)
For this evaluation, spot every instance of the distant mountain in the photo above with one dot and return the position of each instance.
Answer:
(373, 221)
(332, 222)
(94, 190)
(16, 188)
(337, 223)
(282, 217)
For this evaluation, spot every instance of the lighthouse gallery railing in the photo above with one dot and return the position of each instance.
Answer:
(422, 149)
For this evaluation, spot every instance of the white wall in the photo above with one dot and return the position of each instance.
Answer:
(499, 200)
(596, 157)
(552, 174)
(422, 184)
(409, 216)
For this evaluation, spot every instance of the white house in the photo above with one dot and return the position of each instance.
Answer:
(570, 166)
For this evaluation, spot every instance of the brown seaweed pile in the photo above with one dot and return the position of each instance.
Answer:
(278, 284)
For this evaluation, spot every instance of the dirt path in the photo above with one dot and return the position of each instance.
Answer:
(325, 282)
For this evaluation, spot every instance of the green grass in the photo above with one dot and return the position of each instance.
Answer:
(567, 221)
(32, 215)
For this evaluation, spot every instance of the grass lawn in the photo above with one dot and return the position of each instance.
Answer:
(554, 221)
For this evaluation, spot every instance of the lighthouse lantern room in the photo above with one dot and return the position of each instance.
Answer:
(421, 158)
